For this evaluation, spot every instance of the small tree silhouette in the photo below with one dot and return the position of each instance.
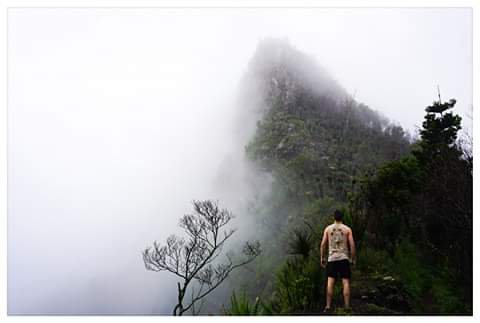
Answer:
(193, 259)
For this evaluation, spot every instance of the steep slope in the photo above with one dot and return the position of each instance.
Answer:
(312, 136)
(314, 140)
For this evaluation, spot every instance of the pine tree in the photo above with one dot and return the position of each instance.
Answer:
(439, 132)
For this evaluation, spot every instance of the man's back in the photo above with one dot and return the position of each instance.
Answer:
(338, 235)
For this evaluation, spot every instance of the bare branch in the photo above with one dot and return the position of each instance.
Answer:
(196, 257)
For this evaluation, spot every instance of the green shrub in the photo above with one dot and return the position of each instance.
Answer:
(301, 243)
(374, 261)
(295, 289)
(414, 273)
(446, 295)
(242, 306)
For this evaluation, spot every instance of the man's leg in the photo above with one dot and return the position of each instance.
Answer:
(330, 285)
(346, 292)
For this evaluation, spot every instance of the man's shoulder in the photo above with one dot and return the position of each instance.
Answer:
(346, 227)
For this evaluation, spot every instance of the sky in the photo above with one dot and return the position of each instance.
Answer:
(119, 118)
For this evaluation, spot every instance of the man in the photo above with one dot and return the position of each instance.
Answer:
(341, 251)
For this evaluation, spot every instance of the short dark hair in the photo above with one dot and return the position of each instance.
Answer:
(338, 215)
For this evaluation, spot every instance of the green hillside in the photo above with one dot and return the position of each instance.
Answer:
(409, 203)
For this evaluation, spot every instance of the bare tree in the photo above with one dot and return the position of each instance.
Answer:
(193, 259)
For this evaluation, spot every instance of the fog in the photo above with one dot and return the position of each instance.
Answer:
(119, 118)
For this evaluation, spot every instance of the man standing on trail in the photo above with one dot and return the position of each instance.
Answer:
(341, 251)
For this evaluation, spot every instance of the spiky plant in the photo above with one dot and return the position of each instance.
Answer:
(301, 243)
(242, 306)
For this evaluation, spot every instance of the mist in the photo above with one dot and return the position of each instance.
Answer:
(119, 118)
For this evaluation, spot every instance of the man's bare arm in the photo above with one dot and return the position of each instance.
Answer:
(353, 251)
(323, 245)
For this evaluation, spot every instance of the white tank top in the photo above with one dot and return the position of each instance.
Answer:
(337, 242)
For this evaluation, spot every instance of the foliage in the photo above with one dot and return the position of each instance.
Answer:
(408, 265)
(295, 288)
(439, 133)
(301, 244)
(242, 306)
(419, 209)
(389, 198)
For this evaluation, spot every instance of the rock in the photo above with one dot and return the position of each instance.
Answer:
(281, 144)
(397, 302)
(369, 308)
(380, 294)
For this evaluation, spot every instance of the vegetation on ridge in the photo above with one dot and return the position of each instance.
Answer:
(409, 204)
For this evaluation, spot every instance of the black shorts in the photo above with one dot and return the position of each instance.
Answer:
(339, 268)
